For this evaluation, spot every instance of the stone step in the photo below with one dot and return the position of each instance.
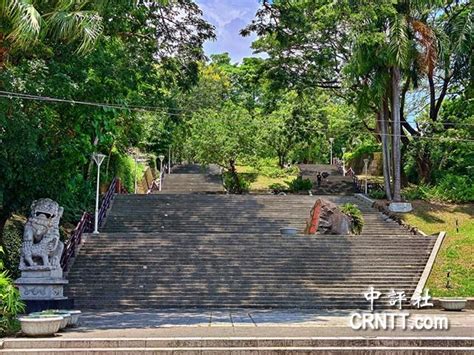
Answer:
(231, 342)
(216, 250)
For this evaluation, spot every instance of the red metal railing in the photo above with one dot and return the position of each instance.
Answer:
(85, 225)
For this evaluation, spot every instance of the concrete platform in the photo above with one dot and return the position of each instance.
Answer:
(244, 331)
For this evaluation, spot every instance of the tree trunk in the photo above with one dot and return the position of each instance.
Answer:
(396, 134)
(382, 117)
(424, 166)
(281, 159)
(233, 172)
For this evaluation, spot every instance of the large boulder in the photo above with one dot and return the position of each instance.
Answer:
(327, 218)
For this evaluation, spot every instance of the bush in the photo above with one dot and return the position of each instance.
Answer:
(269, 167)
(10, 303)
(299, 184)
(230, 184)
(454, 188)
(420, 192)
(277, 188)
(377, 194)
(12, 241)
(451, 188)
(354, 212)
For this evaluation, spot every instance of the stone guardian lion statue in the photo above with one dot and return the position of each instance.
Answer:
(42, 248)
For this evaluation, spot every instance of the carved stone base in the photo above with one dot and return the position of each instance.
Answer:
(41, 284)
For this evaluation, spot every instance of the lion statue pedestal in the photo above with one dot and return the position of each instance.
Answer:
(40, 261)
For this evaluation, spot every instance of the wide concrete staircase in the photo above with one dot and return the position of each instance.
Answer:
(199, 250)
(193, 178)
(334, 184)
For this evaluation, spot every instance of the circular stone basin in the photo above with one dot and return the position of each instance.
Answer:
(57, 312)
(40, 325)
(288, 231)
(453, 304)
(74, 317)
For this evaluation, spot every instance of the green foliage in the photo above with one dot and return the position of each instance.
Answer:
(125, 168)
(362, 150)
(46, 146)
(299, 184)
(10, 303)
(12, 241)
(451, 188)
(357, 219)
(416, 192)
(222, 136)
(235, 185)
(277, 172)
(377, 194)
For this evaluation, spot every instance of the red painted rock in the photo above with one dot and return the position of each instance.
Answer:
(332, 220)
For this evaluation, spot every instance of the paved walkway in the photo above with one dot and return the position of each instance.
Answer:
(222, 323)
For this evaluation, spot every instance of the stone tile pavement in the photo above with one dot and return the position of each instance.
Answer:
(242, 322)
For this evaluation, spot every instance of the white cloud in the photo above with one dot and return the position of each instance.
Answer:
(229, 17)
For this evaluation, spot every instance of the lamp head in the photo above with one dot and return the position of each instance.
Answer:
(98, 158)
(331, 140)
(161, 157)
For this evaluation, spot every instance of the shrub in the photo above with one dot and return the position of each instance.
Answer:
(232, 187)
(299, 184)
(377, 194)
(420, 192)
(277, 188)
(454, 188)
(268, 167)
(10, 303)
(354, 212)
(451, 188)
(12, 241)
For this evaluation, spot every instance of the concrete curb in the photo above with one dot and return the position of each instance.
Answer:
(378, 206)
(429, 265)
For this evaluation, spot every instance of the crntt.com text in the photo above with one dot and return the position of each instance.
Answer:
(397, 320)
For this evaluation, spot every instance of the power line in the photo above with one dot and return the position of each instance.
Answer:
(11, 94)
(15, 95)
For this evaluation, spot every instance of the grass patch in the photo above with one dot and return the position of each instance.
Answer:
(259, 182)
(457, 251)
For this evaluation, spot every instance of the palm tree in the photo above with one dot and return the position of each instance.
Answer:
(24, 22)
(407, 29)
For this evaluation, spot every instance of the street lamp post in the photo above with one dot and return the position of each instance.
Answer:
(98, 159)
(343, 162)
(366, 165)
(331, 141)
(136, 172)
(169, 160)
(161, 157)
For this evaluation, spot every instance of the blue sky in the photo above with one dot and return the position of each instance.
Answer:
(229, 17)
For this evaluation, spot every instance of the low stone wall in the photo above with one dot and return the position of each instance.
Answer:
(382, 206)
